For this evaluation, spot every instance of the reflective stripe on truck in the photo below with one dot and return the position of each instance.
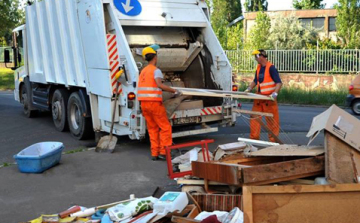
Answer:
(197, 112)
(113, 60)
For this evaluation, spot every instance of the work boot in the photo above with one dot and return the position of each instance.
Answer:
(161, 157)
(154, 158)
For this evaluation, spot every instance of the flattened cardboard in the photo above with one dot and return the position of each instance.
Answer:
(339, 123)
(289, 150)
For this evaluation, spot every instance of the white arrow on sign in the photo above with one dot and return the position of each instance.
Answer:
(127, 6)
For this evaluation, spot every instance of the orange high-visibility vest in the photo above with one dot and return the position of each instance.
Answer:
(267, 87)
(148, 89)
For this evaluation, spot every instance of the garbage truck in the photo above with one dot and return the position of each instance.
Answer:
(67, 53)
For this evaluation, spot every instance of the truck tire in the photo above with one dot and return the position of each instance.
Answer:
(355, 107)
(80, 126)
(25, 100)
(58, 109)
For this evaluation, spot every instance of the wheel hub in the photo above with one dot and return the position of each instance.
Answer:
(75, 116)
(56, 110)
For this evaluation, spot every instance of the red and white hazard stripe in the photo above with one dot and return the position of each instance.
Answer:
(211, 110)
(113, 60)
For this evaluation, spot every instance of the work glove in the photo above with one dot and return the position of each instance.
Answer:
(247, 90)
(177, 93)
(273, 96)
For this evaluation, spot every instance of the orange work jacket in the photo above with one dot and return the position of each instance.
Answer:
(147, 88)
(267, 87)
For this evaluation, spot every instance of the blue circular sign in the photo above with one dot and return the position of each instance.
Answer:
(128, 7)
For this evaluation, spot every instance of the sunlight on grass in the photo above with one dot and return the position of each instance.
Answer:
(6, 79)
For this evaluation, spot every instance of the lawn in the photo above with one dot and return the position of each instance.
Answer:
(6, 79)
(304, 97)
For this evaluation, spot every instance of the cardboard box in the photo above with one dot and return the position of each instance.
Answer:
(339, 123)
(186, 105)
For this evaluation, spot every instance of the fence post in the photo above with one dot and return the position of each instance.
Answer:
(317, 56)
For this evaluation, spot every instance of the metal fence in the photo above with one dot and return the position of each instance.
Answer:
(296, 61)
(2, 53)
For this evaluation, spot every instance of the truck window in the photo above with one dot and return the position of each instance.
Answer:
(20, 46)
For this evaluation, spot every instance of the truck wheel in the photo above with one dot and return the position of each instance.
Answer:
(356, 107)
(25, 100)
(58, 109)
(80, 126)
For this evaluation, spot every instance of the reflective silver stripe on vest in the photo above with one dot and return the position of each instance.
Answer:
(267, 84)
(149, 89)
(268, 89)
(149, 95)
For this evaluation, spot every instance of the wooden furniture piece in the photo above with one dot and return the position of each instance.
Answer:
(262, 174)
(302, 203)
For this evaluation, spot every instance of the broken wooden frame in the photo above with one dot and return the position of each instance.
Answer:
(342, 161)
(301, 203)
(220, 93)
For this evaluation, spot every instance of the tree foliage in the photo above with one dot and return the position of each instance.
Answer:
(289, 33)
(223, 12)
(348, 23)
(259, 33)
(256, 5)
(308, 4)
(10, 17)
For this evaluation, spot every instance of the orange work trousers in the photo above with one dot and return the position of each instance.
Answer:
(158, 126)
(272, 123)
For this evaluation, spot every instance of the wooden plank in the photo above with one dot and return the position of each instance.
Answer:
(220, 94)
(197, 182)
(338, 160)
(257, 142)
(301, 203)
(289, 150)
(177, 219)
(241, 111)
(283, 171)
(225, 173)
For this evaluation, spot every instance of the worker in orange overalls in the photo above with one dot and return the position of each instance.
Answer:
(268, 82)
(150, 96)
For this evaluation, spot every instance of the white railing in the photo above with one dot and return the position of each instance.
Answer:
(307, 61)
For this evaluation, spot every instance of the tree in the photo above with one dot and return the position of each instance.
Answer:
(10, 16)
(308, 4)
(348, 23)
(224, 12)
(259, 33)
(289, 33)
(256, 5)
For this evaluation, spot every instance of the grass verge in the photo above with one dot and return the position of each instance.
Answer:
(306, 97)
(6, 79)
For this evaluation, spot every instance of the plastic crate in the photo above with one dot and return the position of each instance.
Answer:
(39, 157)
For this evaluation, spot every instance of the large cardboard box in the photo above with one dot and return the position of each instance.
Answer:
(339, 123)
(188, 104)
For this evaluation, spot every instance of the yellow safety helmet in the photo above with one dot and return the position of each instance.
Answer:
(150, 49)
(257, 53)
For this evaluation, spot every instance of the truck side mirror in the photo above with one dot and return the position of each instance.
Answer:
(7, 56)
(19, 57)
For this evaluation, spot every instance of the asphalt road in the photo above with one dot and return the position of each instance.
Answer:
(17, 132)
(89, 178)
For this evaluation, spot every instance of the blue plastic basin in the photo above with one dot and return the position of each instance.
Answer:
(39, 157)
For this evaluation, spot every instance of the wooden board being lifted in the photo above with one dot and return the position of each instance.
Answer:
(220, 94)
(302, 203)
(289, 150)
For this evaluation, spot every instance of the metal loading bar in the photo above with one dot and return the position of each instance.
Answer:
(221, 94)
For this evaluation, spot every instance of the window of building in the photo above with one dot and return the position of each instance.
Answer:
(332, 22)
(317, 23)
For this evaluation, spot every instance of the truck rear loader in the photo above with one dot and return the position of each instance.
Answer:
(68, 52)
